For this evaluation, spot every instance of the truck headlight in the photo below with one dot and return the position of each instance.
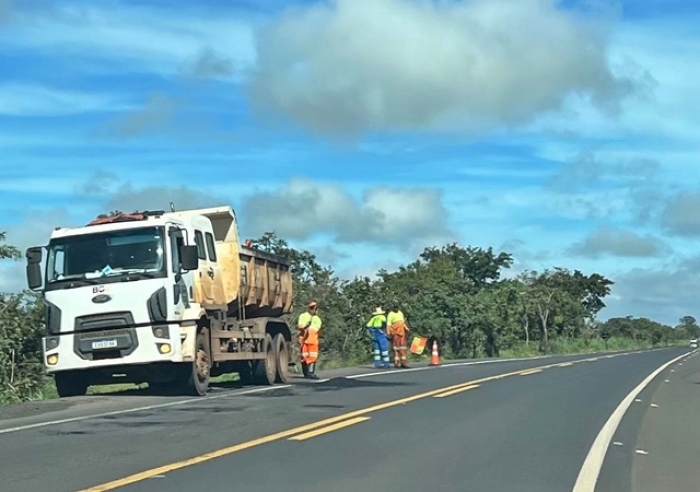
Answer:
(52, 360)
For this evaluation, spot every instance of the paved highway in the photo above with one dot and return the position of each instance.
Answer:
(529, 425)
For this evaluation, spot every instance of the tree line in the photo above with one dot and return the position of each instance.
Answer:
(456, 295)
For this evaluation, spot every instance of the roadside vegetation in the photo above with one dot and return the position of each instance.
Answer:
(458, 295)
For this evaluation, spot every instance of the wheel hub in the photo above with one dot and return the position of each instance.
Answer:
(202, 365)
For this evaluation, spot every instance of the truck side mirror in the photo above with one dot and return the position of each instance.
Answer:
(34, 257)
(189, 258)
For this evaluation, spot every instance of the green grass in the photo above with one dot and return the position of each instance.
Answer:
(557, 347)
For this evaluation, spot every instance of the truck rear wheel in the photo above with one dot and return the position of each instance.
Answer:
(196, 377)
(281, 358)
(266, 369)
(68, 385)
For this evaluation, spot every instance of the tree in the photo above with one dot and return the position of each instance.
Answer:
(690, 325)
(21, 329)
(8, 252)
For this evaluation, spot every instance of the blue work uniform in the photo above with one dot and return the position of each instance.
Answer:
(380, 344)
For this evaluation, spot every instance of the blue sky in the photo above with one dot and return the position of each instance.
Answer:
(562, 132)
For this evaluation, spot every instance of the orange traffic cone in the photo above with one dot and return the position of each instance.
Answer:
(434, 357)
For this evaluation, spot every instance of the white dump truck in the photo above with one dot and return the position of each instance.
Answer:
(170, 299)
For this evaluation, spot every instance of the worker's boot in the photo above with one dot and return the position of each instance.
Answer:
(312, 371)
(305, 369)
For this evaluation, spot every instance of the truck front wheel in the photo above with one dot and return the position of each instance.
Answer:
(196, 377)
(68, 385)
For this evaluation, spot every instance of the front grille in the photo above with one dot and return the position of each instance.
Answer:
(103, 334)
(103, 321)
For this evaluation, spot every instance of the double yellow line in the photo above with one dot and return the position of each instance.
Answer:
(309, 431)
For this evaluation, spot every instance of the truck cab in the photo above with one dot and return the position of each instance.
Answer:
(115, 292)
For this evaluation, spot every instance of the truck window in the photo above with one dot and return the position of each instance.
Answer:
(176, 241)
(199, 240)
(211, 247)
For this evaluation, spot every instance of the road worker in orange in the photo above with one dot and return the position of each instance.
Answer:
(309, 325)
(397, 331)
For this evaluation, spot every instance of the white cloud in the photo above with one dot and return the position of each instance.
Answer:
(156, 115)
(50, 185)
(664, 293)
(34, 100)
(355, 65)
(5, 11)
(400, 216)
(146, 39)
(663, 119)
(680, 215)
(34, 230)
(618, 242)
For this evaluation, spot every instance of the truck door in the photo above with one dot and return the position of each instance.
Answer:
(182, 288)
(214, 271)
(205, 273)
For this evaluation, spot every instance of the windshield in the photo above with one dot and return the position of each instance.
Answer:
(106, 254)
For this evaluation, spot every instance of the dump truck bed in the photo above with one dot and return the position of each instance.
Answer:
(251, 282)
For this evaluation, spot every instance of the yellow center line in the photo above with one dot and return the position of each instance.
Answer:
(330, 428)
(566, 364)
(454, 392)
(527, 373)
(144, 475)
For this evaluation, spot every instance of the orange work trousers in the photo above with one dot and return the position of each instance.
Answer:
(309, 347)
(399, 345)
(309, 353)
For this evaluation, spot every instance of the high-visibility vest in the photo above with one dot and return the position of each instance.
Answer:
(396, 324)
(395, 316)
(377, 321)
(316, 324)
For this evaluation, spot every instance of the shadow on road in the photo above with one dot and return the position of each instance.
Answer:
(341, 383)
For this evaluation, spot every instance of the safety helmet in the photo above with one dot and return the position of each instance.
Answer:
(378, 310)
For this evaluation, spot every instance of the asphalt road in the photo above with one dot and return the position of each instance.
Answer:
(464, 426)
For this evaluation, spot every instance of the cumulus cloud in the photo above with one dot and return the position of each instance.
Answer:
(680, 215)
(383, 215)
(5, 11)
(598, 188)
(350, 66)
(115, 193)
(36, 227)
(664, 294)
(618, 242)
(210, 64)
(586, 170)
(156, 115)
(34, 230)
(29, 99)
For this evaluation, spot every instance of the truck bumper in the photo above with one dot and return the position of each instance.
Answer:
(111, 348)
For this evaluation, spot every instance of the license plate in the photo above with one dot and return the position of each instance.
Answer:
(104, 344)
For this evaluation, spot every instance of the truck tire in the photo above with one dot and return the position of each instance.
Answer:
(196, 377)
(266, 369)
(68, 385)
(281, 358)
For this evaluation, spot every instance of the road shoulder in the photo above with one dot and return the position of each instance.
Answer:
(668, 445)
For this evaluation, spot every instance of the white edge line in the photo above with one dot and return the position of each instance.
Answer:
(474, 363)
(139, 409)
(443, 366)
(588, 476)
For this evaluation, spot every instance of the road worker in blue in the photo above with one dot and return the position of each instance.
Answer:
(380, 344)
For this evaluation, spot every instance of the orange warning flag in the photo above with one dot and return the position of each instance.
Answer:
(418, 345)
